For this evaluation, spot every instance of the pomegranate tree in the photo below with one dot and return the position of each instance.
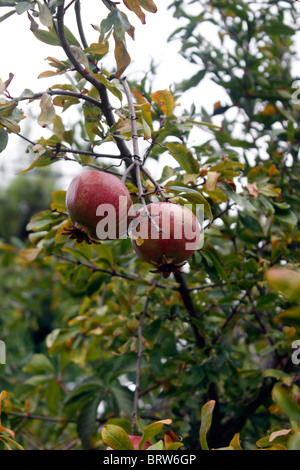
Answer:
(94, 196)
(165, 235)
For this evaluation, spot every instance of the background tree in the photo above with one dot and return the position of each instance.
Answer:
(128, 348)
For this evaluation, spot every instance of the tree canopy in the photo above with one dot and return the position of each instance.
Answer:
(98, 346)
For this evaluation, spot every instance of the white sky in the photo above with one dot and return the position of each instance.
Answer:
(24, 56)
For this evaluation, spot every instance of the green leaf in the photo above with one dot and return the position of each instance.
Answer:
(21, 7)
(184, 157)
(193, 196)
(206, 418)
(39, 362)
(50, 37)
(152, 430)
(59, 201)
(3, 139)
(193, 81)
(37, 380)
(286, 403)
(290, 316)
(214, 261)
(40, 221)
(286, 281)
(158, 446)
(86, 424)
(294, 442)
(13, 442)
(276, 28)
(120, 422)
(121, 24)
(250, 222)
(7, 15)
(116, 438)
(83, 392)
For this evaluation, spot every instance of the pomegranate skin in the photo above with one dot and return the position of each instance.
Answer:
(174, 220)
(87, 191)
(135, 441)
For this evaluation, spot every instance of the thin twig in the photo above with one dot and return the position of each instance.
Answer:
(158, 188)
(90, 153)
(190, 308)
(138, 366)
(112, 272)
(106, 106)
(126, 173)
(133, 118)
(52, 92)
(49, 419)
(79, 24)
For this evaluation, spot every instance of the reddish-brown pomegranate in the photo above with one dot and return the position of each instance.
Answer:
(90, 194)
(135, 441)
(166, 236)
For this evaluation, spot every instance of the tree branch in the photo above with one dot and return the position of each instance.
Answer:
(51, 92)
(112, 272)
(105, 104)
(138, 366)
(79, 24)
(190, 308)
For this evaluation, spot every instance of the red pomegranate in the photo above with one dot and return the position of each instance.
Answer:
(166, 236)
(135, 441)
(95, 196)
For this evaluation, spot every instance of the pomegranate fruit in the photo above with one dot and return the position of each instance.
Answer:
(135, 441)
(95, 196)
(165, 235)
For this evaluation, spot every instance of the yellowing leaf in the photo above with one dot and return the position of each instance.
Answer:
(252, 189)
(281, 432)
(80, 57)
(3, 395)
(206, 418)
(45, 15)
(97, 48)
(190, 178)
(148, 5)
(116, 438)
(59, 201)
(152, 430)
(146, 108)
(29, 254)
(211, 180)
(235, 442)
(48, 114)
(269, 110)
(133, 5)
(121, 55)
(47, 74)
(164, 99)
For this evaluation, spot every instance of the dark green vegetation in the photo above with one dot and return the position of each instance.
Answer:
(218, 336)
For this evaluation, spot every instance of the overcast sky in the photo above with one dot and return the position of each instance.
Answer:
(24, 56)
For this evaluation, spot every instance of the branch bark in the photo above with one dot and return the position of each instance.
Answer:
(190, 308)
(105, 103)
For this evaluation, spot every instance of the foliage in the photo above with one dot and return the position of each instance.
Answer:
(208, 350)
(25, 196)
